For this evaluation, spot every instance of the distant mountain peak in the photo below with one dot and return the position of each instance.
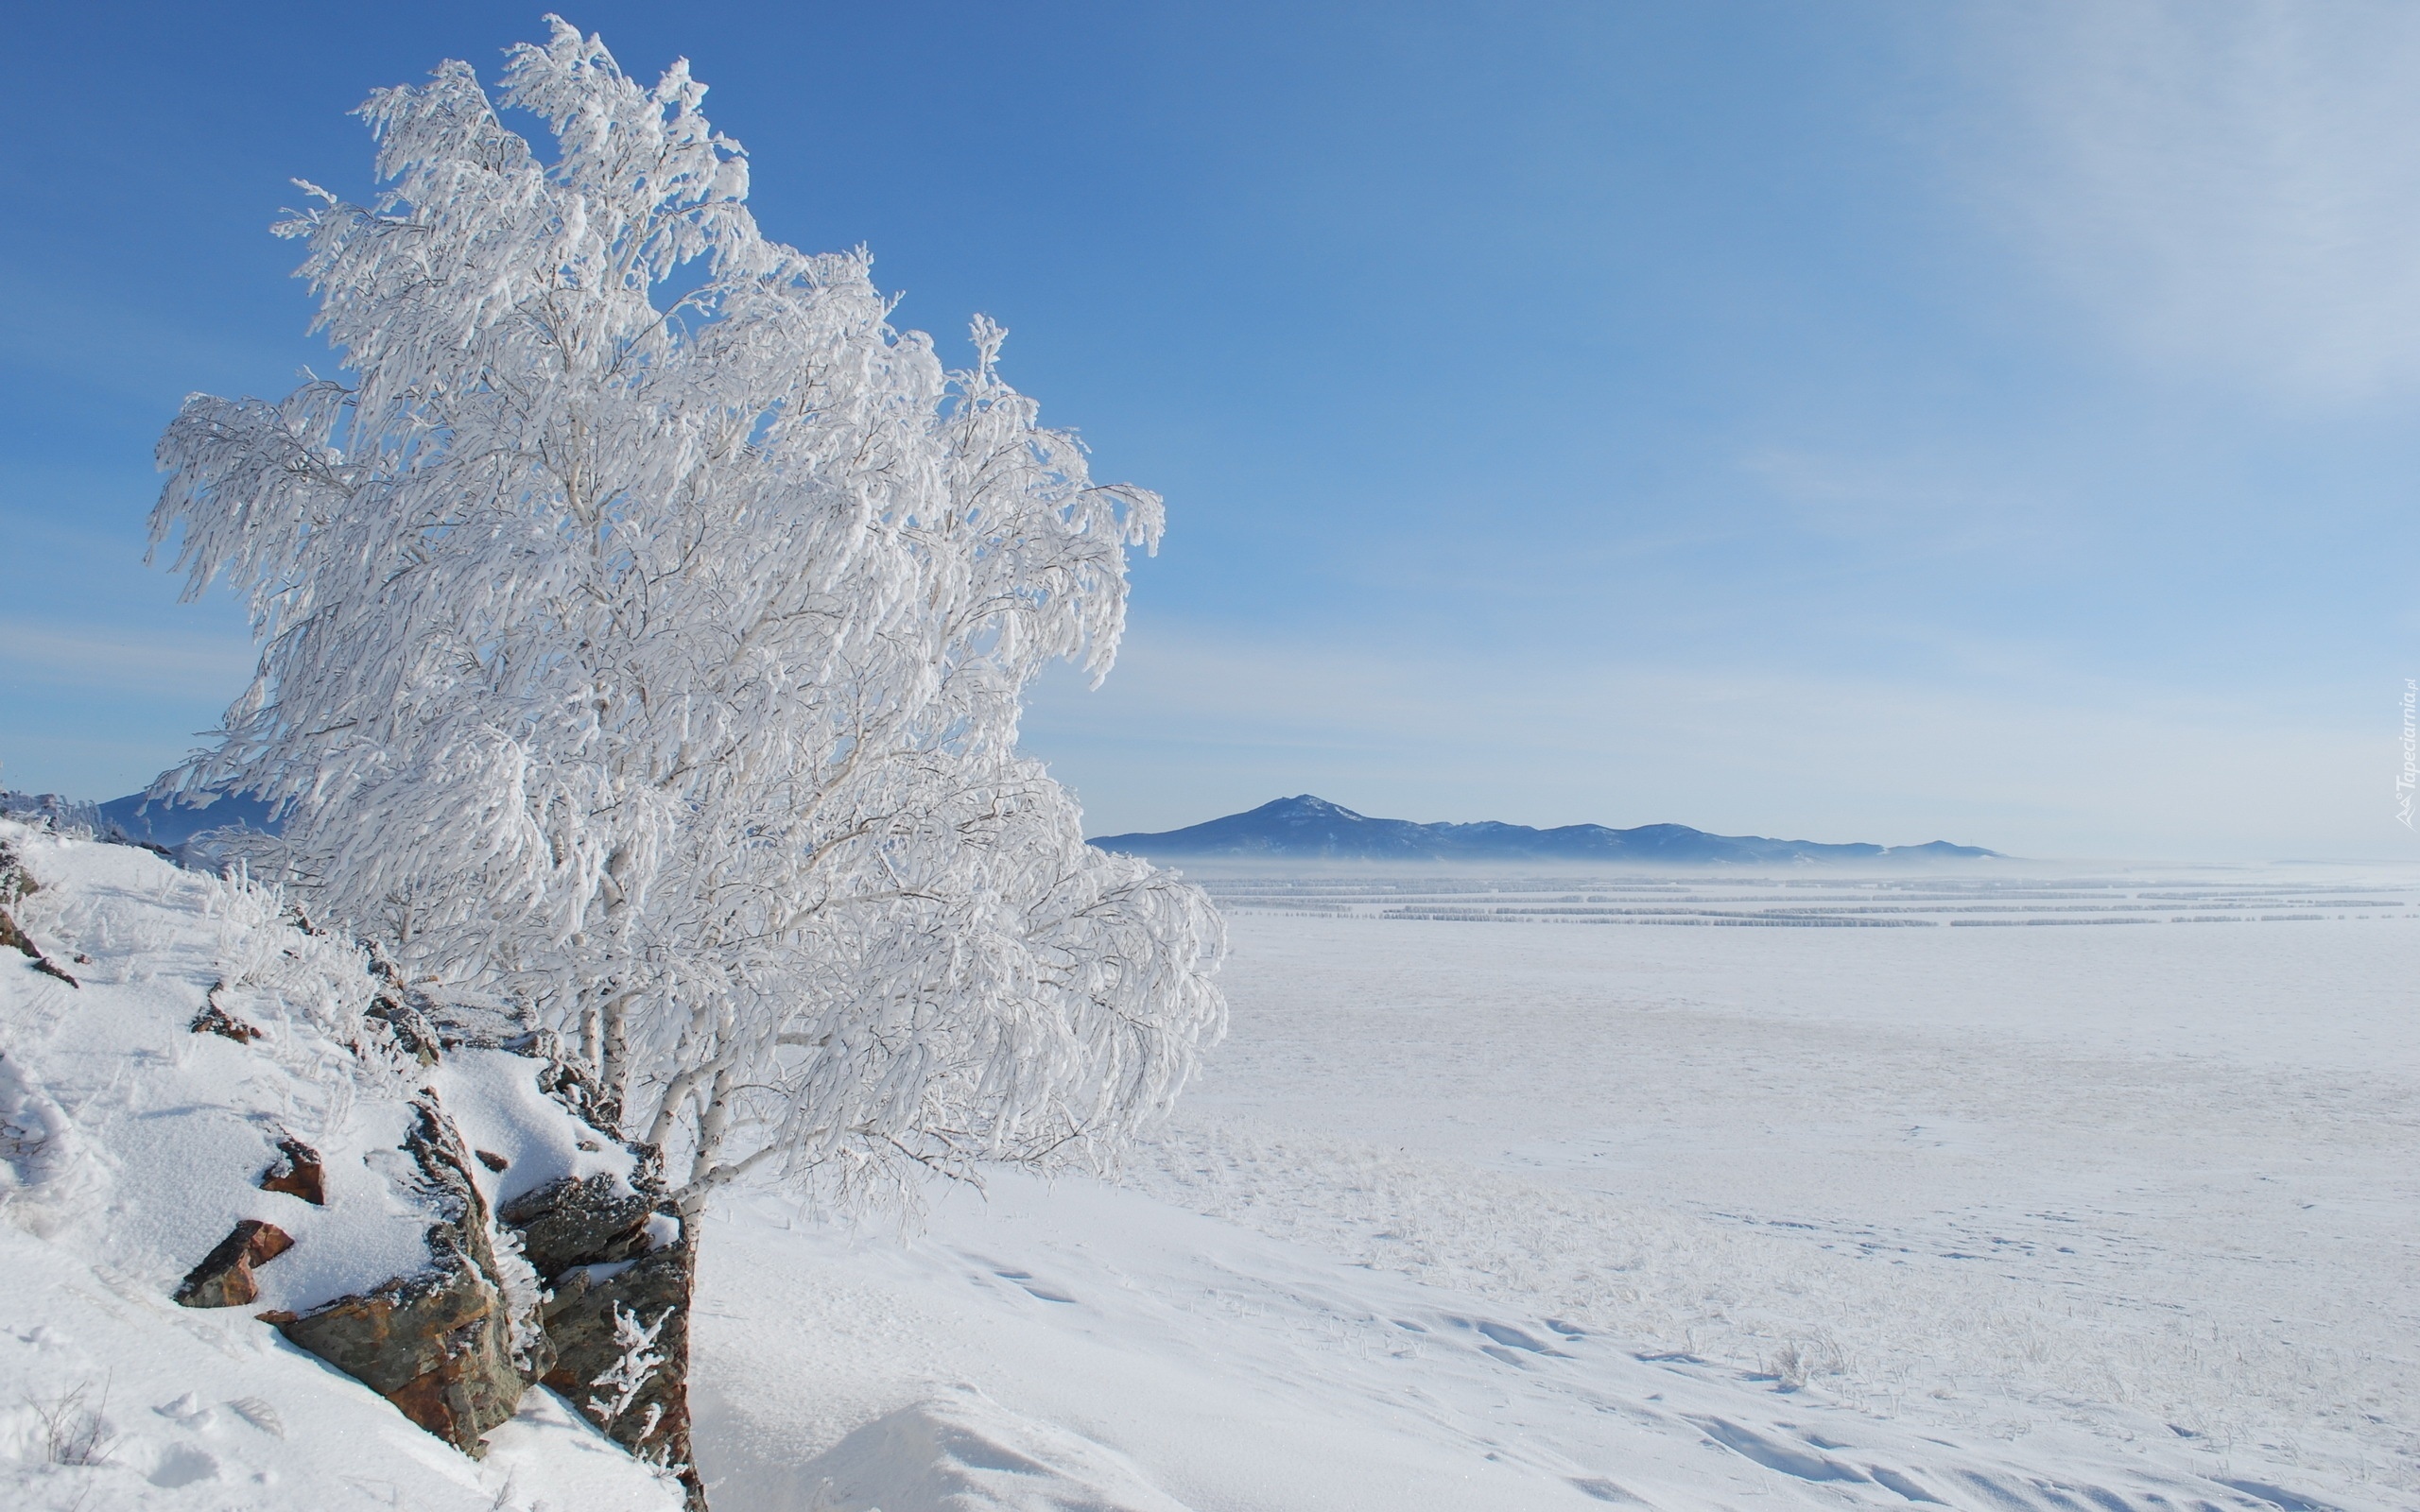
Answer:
(1307, 807)
(1308, 827)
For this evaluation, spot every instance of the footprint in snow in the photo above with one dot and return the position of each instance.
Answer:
(183, 1465)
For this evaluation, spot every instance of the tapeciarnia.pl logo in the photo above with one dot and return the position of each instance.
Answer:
(2409, 777)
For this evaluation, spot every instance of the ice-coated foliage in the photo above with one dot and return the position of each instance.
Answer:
(659, 659)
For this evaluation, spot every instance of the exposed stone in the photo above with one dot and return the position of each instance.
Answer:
(445, 1177)
(575, 1222)
(10, 935)
(213, 1019)
(572, 1084)
(410, 1030)
(429, 1023)
(224, 1278)
(612, 1252)
(442, 1343)
(437, 1344)
(582, 1322)
(16, 883)
(298, 1173)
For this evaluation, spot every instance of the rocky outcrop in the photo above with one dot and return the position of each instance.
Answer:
(570, 1082)
(406, 1027)
(299, 1173)
(600, 1317)
(621, 1269)
(442, 1343)
(456, 1337)
(224, 1278)
(437, 1344)
(615, 1259)
(583, 1283)
(574, 1222)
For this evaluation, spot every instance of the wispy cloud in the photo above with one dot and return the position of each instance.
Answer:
(120, 660)
(1913, 506)
(2228, 184)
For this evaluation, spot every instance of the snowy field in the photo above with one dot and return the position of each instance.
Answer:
(2005, 1197)
(1786, 1209)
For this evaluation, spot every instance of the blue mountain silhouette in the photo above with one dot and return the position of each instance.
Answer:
(1313, 828)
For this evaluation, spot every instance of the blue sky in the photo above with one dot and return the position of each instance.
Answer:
(1850, 422)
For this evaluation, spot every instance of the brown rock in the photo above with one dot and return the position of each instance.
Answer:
(575, 1222)
(589, 1239)
(50, 967)
(443, 1345)
(216, 1020)
(224, 1278)
(405, 1024)
(12, 936)
(444, 1164)
(437, 1345)
(580, 1321)
(298, 1173)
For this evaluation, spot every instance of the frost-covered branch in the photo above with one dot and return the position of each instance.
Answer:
(632, 1368)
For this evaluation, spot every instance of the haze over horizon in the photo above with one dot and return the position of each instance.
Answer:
(1881, 424)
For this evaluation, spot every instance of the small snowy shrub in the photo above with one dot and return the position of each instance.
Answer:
(74, 1428)
(308, 991)
(659, 663)
(1800, 1361)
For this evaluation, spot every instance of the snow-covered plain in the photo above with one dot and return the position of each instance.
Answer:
(1481, 1209)
(1500, 1195)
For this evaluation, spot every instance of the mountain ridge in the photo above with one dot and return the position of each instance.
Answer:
(1306, 826)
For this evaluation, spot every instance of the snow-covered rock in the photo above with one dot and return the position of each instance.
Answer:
(133, 1147)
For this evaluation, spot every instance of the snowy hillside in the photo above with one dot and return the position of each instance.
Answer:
(134, 1144)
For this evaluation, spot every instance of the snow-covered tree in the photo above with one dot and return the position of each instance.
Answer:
(644, 629)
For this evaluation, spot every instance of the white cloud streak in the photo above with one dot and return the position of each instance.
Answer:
(124, 661)
(2228, 185)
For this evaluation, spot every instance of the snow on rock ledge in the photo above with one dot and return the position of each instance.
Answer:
(132, 1146)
